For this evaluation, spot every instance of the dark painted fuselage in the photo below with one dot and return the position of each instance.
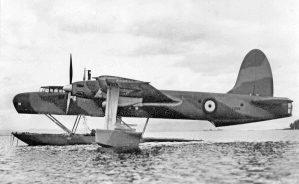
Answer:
(230, 109)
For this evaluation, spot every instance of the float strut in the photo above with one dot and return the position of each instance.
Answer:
(109, 137)
(144, 127)
(74, 129)
(58, 123)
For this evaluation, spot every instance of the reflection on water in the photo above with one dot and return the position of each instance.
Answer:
(197, 162)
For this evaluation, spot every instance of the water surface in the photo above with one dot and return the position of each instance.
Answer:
(224, 157)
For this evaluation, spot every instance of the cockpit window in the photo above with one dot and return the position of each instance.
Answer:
(51, 89)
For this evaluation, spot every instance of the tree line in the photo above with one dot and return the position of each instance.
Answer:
(295, 125)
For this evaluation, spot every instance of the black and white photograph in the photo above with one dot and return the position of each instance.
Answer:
(152, 91)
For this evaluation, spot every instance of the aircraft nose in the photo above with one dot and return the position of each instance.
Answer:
(21, 102)
(18, 99)
(68, 88)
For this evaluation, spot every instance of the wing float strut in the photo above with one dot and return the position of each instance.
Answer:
(112, 136)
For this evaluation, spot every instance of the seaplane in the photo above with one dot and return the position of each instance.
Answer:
(250, 100)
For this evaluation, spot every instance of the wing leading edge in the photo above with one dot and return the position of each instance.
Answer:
(136, 89)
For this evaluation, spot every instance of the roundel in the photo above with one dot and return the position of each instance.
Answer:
(210, 106)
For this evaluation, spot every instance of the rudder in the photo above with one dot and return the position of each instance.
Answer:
(255, 76)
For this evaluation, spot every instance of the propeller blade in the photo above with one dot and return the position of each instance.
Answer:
(84, 75)
(71, 69)
(68, 102)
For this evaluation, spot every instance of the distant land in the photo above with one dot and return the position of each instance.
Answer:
(294, 125)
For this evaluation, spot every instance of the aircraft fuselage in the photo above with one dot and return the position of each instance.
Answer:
(220, 109)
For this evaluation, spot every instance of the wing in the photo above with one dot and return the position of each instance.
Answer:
(135, 89)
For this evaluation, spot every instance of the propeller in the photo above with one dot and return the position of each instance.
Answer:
(71, 69)
(84, 74)
(68, 88)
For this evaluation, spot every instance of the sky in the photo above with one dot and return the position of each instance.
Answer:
(175, 45)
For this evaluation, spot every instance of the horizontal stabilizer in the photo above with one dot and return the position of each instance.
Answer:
(271, 101)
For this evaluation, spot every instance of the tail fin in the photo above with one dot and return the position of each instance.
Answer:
(255, 76)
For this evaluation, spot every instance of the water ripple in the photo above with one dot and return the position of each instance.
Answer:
(205, 162)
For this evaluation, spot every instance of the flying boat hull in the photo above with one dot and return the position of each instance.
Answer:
(38, 139)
